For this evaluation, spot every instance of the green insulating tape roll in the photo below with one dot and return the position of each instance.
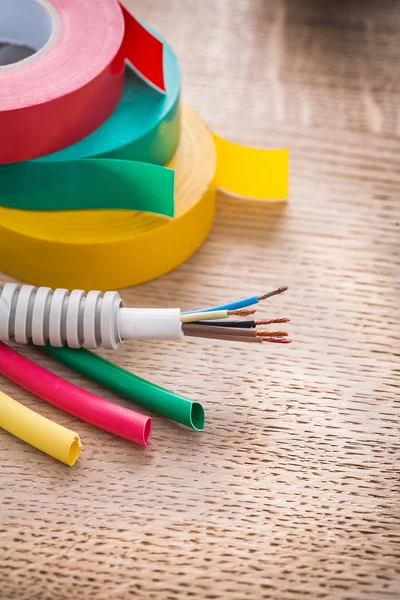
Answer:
(125, 384)
(99, 172)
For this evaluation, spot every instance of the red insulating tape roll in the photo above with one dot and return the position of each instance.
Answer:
(70, 86)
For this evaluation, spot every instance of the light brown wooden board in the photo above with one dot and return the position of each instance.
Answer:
(292, 491)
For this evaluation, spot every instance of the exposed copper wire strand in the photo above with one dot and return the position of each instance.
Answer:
(272, 333)
(242, 312)
(276, 340)
(279, 290)
(272, 321)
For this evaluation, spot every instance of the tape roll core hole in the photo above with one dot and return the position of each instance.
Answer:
(25, 27)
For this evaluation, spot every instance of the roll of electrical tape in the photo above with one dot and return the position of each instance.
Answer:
(72, 83)
(145, 127)
(112, 249)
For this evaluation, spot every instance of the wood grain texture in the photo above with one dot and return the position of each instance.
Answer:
(293, 489)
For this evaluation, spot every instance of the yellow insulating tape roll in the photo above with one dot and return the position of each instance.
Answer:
(111, 249)
(49, 437)
(106, 249)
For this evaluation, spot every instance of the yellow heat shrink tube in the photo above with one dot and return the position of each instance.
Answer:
(41, 433)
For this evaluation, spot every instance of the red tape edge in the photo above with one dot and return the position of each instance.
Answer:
(143, 50)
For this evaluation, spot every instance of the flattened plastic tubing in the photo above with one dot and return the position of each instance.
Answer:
(100, 412)
(41, 433)
(127, 385)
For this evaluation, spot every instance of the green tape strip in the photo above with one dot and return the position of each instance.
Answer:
(127, 385)
(96, 184)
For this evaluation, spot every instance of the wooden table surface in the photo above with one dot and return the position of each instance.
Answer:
(292, 491)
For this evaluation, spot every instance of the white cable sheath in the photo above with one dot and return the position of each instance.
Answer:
(77, 319)
(147, 323)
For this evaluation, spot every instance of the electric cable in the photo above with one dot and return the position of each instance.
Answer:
(42, 316)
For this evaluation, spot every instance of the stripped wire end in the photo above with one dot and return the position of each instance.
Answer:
(273, 293)
(275, 334)
(274, 340)
(213, 323)
(242, 312)
(272, 321)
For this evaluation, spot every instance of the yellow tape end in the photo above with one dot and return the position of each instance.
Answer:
(252, 172)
